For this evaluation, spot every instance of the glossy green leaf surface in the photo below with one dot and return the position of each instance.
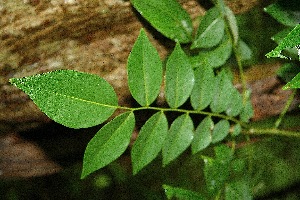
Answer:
(291, 40)
(203, 135)
(179, 78)
(216, 171)
(285, 13)
(144, 71)
(202, 92)
(71, 98)
(108, 144)
(220, 131)
(294, 83)
(168, 17)
(210, 31)
(149, 141)
(178, 139)
(180, 193)
(222, 93)
(215, 57)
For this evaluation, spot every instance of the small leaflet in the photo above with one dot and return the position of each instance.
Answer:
(108, 144)
(179, 78)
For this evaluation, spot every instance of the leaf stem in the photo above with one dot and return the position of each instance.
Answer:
(198, 112)
(287, 105)
(241, 73)
(247, 129)
(271, 131)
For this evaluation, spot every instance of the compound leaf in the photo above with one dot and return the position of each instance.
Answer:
(108, 144)
(179, 78)
(210, 31)
(202, 92)
(220, 131)
(168, 17)
(71, 98)
(144, 71)
(178, 139)
(203, 135)
(149, 141)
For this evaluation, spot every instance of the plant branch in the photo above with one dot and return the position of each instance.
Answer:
(272, 131)
(198, 112)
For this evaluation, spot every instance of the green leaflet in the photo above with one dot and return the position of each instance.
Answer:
(215, 57)
(179, 78)
(285, 13)
(235, 104)
(220, 131)
(231, 20)
(291, 40)
(71, 98)
(203, 135)
(288, 71)
(108, 144)
(202, 92)
(278, 37)
(247, 111)
(178, 139)
(244, 51)
(222, 93)
(144, 71)
(210, 31)
(294, 83)
(236, 130)
(149, 141)
(238, 190)
(168, 17)
(216, 171)
(291, 52)
(180, 193)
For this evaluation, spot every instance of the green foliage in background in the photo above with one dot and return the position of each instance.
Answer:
(217, 116)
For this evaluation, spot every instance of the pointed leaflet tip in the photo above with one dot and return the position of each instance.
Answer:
(71, 98)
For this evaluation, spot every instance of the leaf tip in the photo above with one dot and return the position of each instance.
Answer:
(84, 174)
(14, 81)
